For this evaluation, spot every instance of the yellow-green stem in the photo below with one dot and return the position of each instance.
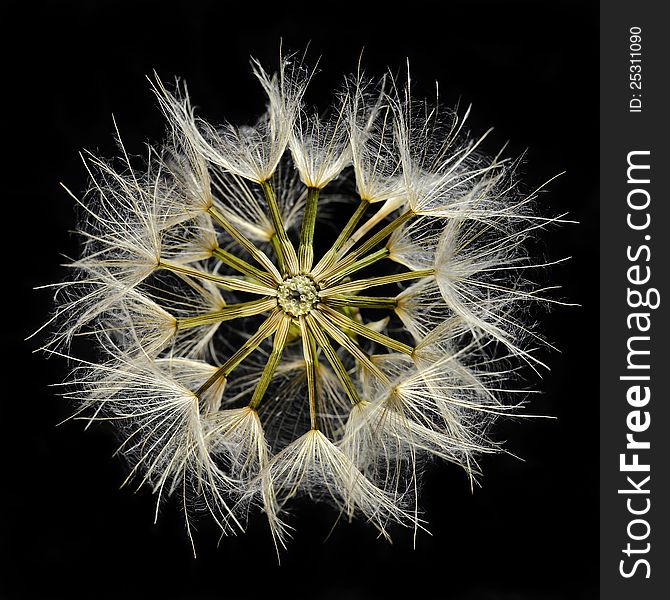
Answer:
(285, 247)
(258, 255)
(266, 329)
(369, 244)
(384, 211)
(228, 313)
(344, 300)
(330, 256)
(334, 360)
(276, 247)
(306, 248)
(271, 366)
(345, 323)
(309, 352)
(349, 345)
(227, 283)
(242, 266)
(362, 284)
(364, 262)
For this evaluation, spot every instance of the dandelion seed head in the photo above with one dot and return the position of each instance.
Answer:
(248, 354)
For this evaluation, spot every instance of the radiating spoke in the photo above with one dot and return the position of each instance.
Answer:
(358, 285)
(227, 283)
(266, 329)
(309, 352)
(369, 244)
(281, 336)
(362, 263)
(228, 313)
(344, 322)
(306, 248)
(349, 345)
(334, 360)
(285, 247)
(258, 255)
(242, 266)
(343, 301)
(330, 256)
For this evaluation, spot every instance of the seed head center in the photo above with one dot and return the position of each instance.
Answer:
(297, 295)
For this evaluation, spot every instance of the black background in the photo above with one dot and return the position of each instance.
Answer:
(530, 69)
